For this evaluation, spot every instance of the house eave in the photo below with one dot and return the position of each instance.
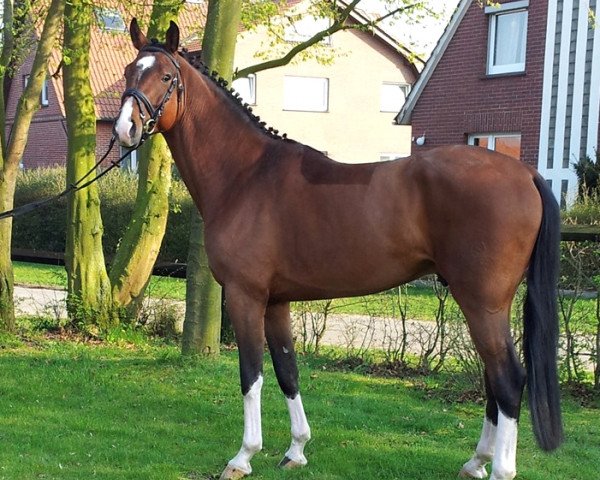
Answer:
(405, 114)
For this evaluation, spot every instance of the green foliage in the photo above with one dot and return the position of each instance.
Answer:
(44, 229)
(586, 211)
(93, 320)
(588, 174)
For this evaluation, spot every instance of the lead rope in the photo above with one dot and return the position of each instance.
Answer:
(74, 187)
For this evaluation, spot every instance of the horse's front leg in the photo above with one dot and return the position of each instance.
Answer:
(278, 330)
(247, 317)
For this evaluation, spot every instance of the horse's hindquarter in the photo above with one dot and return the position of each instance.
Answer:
(484, 213)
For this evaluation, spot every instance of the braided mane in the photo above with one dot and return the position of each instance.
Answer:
(194, 61)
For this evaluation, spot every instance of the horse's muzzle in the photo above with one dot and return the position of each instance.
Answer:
(128, 133)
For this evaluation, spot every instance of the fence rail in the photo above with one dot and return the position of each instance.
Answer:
(569, 233)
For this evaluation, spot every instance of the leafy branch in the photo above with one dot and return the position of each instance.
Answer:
(338, 25)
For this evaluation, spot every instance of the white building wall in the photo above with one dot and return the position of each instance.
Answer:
(571, 98)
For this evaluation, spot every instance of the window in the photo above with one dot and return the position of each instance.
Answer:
(507, 37)
(44, 95)
(508, 144)
(246, 87)
(307, 94)
(393, 96)
(129, 163)
(44, 101)
(305, 28)
(110, 20)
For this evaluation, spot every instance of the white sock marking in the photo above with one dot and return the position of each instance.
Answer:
(124, 122)
(300, 430)
(475, 468)
(252, 441)
(504, 466)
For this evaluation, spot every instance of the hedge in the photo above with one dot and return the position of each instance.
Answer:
(45, 229)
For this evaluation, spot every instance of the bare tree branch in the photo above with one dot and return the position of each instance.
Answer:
(56, 74)
(338, 25)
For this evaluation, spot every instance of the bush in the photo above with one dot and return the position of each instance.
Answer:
(45, 228)
(588, 174)
(586, 211)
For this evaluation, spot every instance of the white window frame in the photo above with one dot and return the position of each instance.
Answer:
(103, 13)
(492, 138)
(494, 13)
(44, 99)
(306, 27)
(387, 156)
(129, 163)
(291, 102)
(405, 87)
(251, 80)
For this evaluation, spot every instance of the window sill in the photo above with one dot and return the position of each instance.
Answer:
(490, 76)
(304, 111)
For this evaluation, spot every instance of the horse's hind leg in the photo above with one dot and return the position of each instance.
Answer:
(505, 379)
(281, 345)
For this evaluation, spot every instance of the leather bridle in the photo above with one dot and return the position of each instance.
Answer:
(149, 124)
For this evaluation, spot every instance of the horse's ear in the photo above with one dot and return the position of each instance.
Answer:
(173, 37)
(137, 37)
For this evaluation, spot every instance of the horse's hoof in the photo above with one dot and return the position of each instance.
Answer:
(232, 473)
(288, 464)
(472, 472)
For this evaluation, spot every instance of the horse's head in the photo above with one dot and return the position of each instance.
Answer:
(151, 100)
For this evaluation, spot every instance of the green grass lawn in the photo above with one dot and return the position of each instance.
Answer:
(74, 411)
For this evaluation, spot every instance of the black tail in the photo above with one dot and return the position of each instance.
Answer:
(541, 325)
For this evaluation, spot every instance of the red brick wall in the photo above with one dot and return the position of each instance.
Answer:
(460, 99)
(103, 136)
(47, 142)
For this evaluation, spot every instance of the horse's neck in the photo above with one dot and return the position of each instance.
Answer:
(214, 144)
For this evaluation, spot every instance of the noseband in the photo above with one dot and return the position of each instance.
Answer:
(149, 125)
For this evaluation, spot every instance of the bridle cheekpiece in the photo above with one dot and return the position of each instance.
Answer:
(149, 125)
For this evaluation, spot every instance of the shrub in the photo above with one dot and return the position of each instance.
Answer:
(586, 211)
(45, 228)
(588, 174)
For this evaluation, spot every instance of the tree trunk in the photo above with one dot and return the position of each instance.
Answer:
(89, 299)
(202, 325)
(137, 252)
(7, 306)
(12, 151)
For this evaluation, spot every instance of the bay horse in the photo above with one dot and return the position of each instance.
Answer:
(283, 222)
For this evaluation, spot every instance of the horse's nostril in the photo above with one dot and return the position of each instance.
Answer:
(132, 130)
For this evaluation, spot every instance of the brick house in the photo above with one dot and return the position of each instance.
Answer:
(323, 122)
(521, 77)
(110, 52)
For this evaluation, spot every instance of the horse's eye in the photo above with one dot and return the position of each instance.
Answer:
(166, 78)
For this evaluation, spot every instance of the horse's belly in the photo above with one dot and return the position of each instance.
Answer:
(345, 276)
